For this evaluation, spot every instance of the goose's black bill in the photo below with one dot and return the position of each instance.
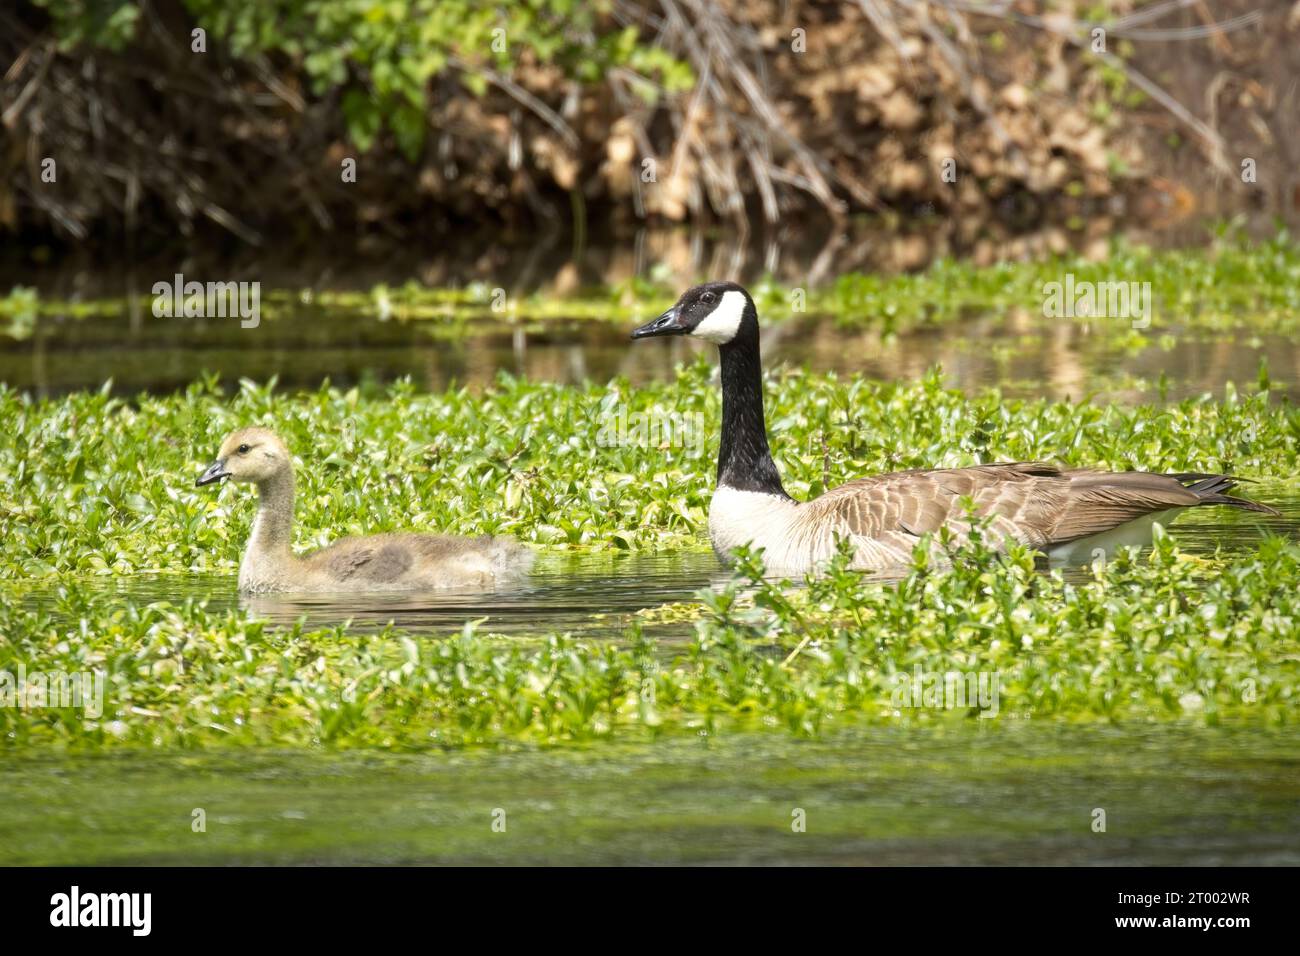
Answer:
(215, 472)
(670, 323)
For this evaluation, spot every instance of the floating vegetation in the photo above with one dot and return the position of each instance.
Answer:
(1165, 637)
(1233, 284)
(96, 485)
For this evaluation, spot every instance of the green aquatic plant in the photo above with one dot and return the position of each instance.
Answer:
(1215, 289)
(1233, 286)
(19, 310)
(1164, 636)
(92, 483)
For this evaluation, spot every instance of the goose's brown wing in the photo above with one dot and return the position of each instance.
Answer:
(1022, 499)
(1035, 503)
(1101, 500)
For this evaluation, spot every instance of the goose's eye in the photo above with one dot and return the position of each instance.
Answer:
(706, 298)
(243, 449)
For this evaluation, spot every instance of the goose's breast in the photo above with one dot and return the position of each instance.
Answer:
(796, 538)
(754, 518)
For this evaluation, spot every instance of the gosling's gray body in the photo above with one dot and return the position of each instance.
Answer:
(382, 562)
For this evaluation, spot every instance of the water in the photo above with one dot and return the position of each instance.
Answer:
(590, 595)
(597, 595)
(904, 795)
(1018, 792)
(306, 342)
(594, 596)
(1025, 355)
(1011, 791)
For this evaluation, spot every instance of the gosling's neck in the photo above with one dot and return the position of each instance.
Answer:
(273, 527)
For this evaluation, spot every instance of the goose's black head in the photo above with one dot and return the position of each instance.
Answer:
(718, 312)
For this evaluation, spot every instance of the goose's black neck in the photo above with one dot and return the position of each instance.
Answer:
(744, 460)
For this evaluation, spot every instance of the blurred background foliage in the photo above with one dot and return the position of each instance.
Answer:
(383, 53)
(994, 120)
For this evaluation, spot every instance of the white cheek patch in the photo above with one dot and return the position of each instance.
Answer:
(722, 324)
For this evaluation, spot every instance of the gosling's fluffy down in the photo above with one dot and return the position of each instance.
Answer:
(382, 562)
(411, 561)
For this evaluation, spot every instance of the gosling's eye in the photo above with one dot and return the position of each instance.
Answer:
(243, 449)
(706, 298)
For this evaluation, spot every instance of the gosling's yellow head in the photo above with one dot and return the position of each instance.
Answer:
(250, 455)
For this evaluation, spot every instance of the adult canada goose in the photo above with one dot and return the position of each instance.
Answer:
(382, 562)
(1066, 512)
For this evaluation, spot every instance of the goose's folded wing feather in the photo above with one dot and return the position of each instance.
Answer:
(1099, 501)
(1032, 502)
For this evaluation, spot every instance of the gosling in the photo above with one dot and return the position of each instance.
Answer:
(382, 562)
